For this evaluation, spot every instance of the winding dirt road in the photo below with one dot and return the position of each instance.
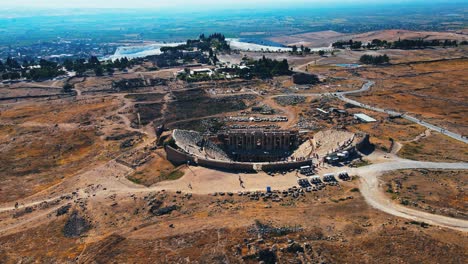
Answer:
(370, 187)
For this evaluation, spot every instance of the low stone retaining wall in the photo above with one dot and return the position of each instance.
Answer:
(285, 165)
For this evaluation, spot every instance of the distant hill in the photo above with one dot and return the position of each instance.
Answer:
(324, 38)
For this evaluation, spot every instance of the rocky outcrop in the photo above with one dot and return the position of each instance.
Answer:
(76, 225)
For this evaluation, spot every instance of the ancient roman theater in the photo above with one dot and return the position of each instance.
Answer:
(267, 150)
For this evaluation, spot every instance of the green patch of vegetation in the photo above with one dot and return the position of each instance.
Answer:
(369, 59)
(399, 44)
(266, 68)
(173, 175)
(354, 190)
(134, 180)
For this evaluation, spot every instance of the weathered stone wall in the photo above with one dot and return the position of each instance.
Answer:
(224, 165)
(178, 158)
(364, 143)
(359, 146)
(285, 165)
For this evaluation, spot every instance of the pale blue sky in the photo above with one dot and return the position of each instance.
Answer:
(183, 4)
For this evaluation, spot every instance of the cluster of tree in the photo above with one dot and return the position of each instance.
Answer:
(304, 78)
(306, 50)
(9, 65)
(80, 66)
(13, 70)
(216, 41)
(351, 44)
(177, 58)
(377, 43)
(266, 68)
(399, 44)
(213, 43)
(369, 59)
(420, 43)
(9, 69)
(300, 49)
(178, 48)
(47, 70)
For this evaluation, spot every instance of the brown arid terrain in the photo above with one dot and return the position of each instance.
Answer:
(435, 91)
(324, 38)
(84, 178)
(217, 230)
(439, 192)
(435, 147)
(42, 143)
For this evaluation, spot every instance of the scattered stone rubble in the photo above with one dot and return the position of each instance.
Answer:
(76, 225)
(290, 100)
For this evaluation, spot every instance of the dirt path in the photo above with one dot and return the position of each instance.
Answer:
(120, 112)
(292, 117)
(202, 181)
(398, 145)
(299, 68)
(370, 187)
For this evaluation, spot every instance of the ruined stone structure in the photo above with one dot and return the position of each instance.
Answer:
(259, 145)
(247, 140)
(243, 150)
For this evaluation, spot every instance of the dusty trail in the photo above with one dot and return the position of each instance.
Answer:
(121, 112)
(369, 187)
(292, 117)
(398, 145)
(374, 195)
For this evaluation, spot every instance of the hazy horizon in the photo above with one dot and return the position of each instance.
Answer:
(34, 23)
(181, 5)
